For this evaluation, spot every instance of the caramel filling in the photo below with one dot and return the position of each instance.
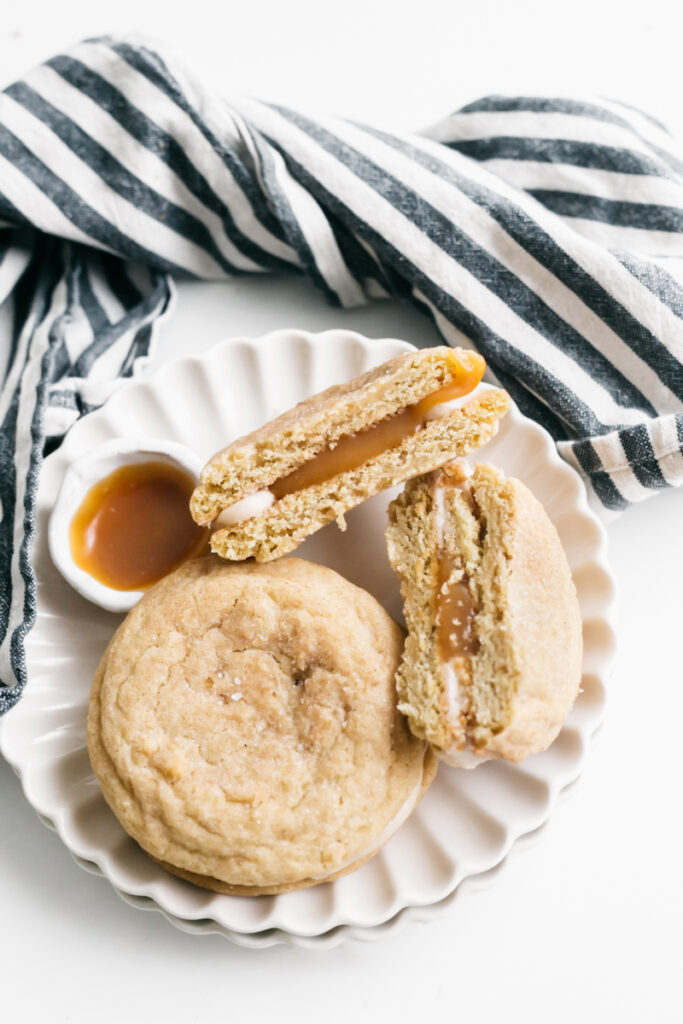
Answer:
(455, 616)
(353, 450)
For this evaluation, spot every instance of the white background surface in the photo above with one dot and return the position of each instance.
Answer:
(587, 923)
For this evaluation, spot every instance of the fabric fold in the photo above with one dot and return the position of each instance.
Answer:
(547, 232)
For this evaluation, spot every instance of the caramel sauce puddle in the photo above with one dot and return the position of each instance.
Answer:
(134, 526)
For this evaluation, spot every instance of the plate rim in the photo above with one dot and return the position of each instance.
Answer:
(412, 911)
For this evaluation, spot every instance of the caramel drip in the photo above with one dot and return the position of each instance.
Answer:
(134, 526)
(352, 450)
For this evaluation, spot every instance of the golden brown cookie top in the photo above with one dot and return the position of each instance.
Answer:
(533, 626)
(243, 722)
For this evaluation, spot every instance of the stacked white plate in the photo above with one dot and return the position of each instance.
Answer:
(467, 822)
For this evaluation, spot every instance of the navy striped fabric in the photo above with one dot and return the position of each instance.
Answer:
(546, 232)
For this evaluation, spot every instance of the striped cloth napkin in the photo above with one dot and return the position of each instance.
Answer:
(546, 232)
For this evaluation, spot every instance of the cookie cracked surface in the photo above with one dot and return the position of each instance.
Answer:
(244, 730)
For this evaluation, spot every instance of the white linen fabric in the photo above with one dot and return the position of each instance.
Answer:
(545, 232)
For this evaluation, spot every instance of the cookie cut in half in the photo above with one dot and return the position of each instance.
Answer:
(244, 730)
(268, 491)
(492, 661)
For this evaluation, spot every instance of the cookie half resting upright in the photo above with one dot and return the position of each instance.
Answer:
(268, 491)
(492, 661)
(244, 730)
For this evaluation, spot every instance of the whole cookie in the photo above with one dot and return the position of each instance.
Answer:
(244, 730)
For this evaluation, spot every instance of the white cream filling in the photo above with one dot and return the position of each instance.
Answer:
(437, 412)
(259, 502)
(455, 698)
(387, 832)
(439, 507)
(439, 514)
(459, 757)
(245, 508)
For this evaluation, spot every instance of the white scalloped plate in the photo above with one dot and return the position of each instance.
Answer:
(467, 822)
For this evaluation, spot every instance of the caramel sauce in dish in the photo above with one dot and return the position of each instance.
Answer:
(352, 450)
(134, 526)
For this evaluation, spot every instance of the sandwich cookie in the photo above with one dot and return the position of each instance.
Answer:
(492, 661)
(265, 493)
(244, 730)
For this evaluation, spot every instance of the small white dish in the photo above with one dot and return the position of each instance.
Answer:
(82, 474)
(468, 821)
